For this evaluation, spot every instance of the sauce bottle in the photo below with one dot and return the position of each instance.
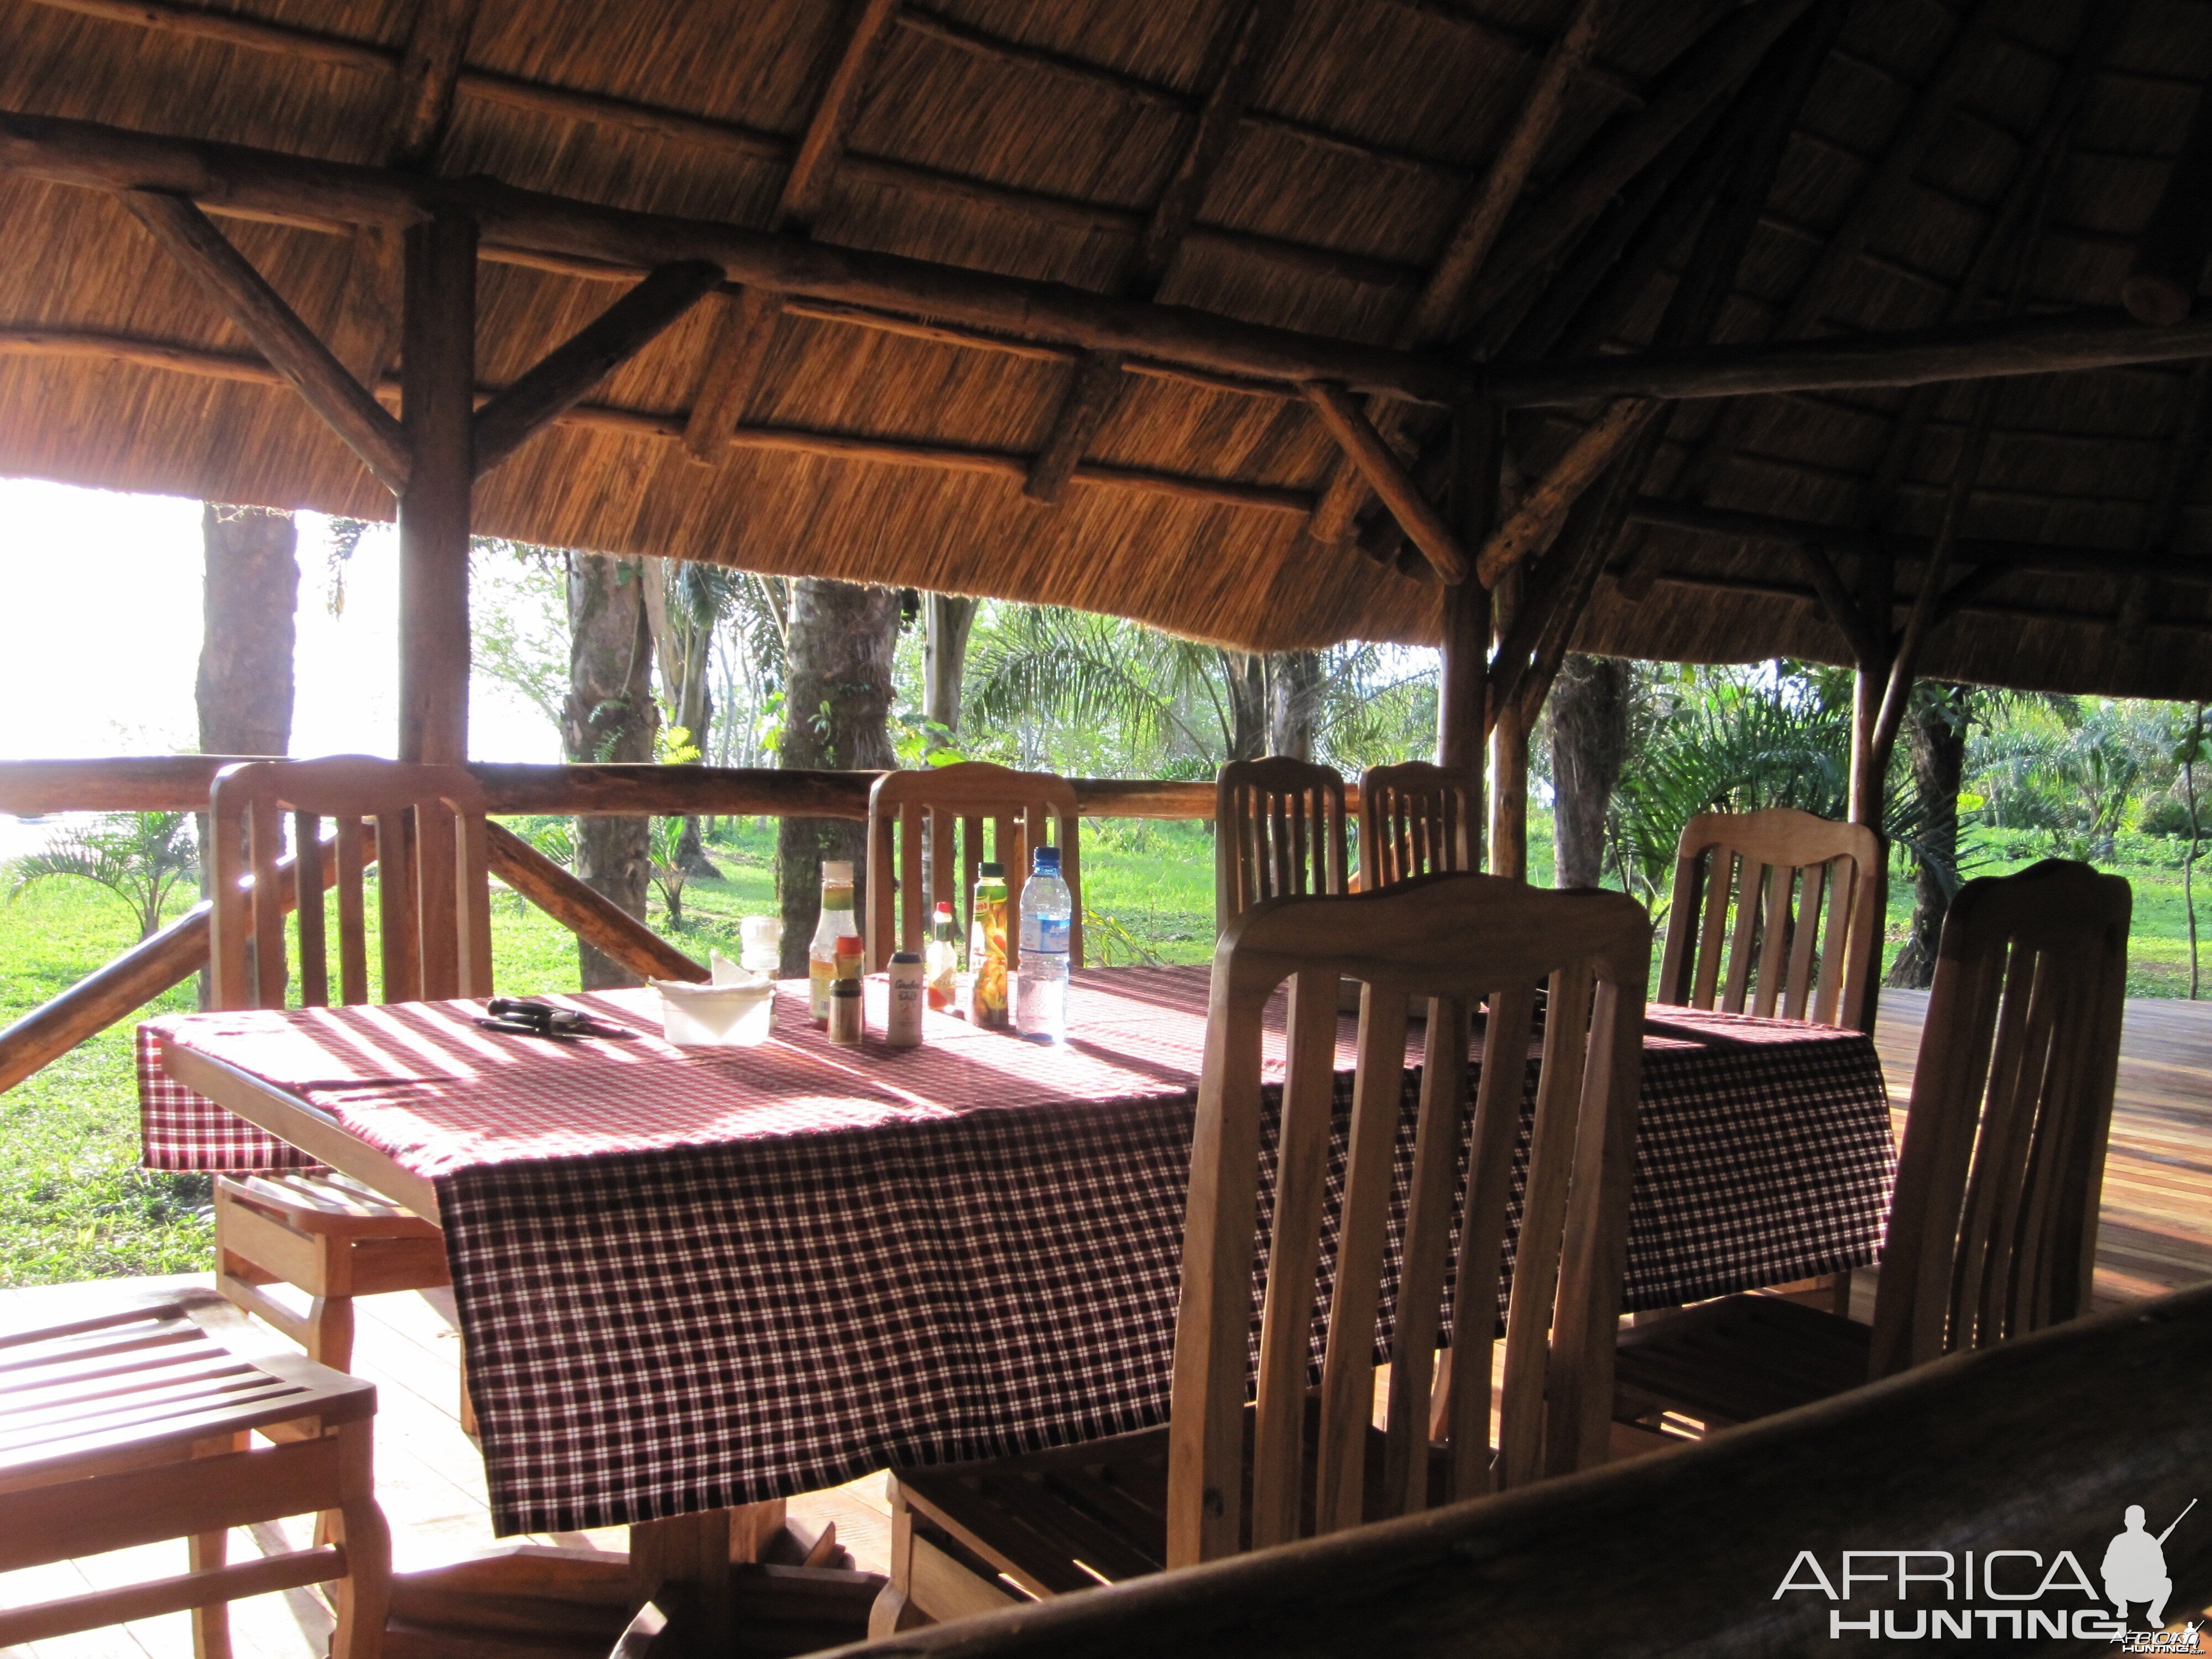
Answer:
(837, 923)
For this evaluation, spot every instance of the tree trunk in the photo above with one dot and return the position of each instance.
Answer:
(837, 703)
(1248, 705)
(611, 716)
(1590, 740)
(252, 591)
(1936, 736)
(1293, 700)
(684, 643)
(252, 596)
(944, 664)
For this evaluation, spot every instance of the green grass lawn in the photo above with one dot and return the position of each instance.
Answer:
(74, 1204)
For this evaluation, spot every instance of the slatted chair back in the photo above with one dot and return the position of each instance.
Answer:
(926, 836)
(424, 828)
(1279, 830)
(1777, 912)
(1456, 940)
(1414, 820)
(1993, 1228)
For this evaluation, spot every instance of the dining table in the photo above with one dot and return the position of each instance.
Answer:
(692, 1278)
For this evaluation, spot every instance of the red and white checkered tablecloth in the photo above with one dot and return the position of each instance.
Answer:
(690, 1279)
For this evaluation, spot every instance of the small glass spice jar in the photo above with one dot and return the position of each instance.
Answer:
(845, 1024)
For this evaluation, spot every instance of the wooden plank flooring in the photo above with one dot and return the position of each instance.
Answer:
(2156, 1236)
(2156, 1233)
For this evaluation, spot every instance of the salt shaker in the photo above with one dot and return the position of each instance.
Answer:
(908, 992)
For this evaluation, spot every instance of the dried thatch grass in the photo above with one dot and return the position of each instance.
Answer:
(1429, 90)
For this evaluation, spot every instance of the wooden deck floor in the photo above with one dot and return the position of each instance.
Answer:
(2156, 1234)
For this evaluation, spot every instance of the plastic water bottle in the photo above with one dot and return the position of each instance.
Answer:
(1041, 981)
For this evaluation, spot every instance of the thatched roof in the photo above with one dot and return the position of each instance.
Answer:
(1037, 142)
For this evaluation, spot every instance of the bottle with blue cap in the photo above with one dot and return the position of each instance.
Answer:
(1041, 980)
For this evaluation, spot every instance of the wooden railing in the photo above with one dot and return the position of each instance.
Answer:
(179, 783)
(2035, 1445)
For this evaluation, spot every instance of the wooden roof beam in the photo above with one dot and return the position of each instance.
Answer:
(276, 332)
(1425, 527)
(1623, 433)
(179, 357)
(1469, 245)
(2160, 286)
(567, 234)
(734, 361)
(1249, 40)
(2045, 343)
(568, 373)
(365, 325)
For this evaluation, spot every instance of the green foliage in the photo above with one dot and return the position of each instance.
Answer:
(140, 857)
(665, 851)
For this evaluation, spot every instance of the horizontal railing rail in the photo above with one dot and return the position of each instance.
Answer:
(2035, 1447)
(169, 957)
(179, 783)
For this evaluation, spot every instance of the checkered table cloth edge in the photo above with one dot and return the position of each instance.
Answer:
(655, 1329)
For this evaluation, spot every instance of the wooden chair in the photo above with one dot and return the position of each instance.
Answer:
(1992, 1230)
(1279, 830)
(328, 1236)
(945, 808)
(132, 1424)
(1774, 871)
(1224, 1476)
(1414, 820)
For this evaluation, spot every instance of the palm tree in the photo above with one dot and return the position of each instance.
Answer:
(140, 857)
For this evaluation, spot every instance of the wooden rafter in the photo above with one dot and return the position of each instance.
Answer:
(364, 330)
(740, 347)
(567, 374)
(1365, 448)
(178, 357)
(1705, 76)
(1694, 310)
(2046, 343)
(1430, 317)
(1734, 524)
(276, 329)
(565, 234)
(1248, 41)
(2162, 284)
(1889, 175)
(734, 139)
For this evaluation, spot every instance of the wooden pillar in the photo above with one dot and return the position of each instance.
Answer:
(437, 408)
(1477, 433)
(1877, 585)
(1508, 756)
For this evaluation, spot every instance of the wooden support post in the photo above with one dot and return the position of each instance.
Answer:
(1877, 588)
(1478, 439)
(1508, 756)
(437, 411)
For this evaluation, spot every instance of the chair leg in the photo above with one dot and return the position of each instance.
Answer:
(893, 1609)
(330, 1332)
(364, 1594)
(1839, 1286)
(206, 1551)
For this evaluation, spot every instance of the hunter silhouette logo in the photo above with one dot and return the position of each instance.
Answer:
(2002, 1595)
(2135, 1567)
